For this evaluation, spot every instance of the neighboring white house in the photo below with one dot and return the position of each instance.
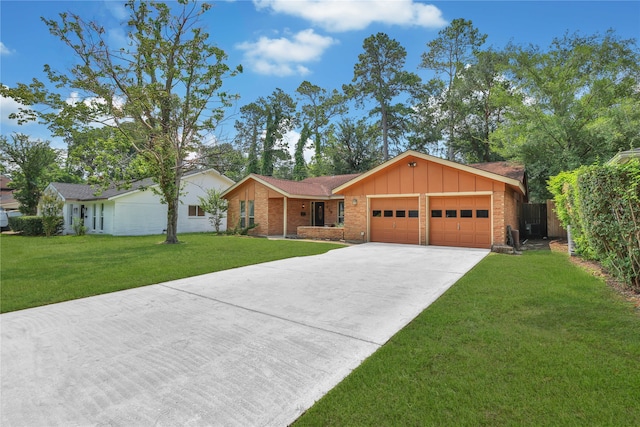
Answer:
(137, 211)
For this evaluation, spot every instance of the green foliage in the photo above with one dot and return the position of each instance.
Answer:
(31, 161)
(78, 226)
(353, 148)
(300, 166)
(214, 205)
(167, 81)
(379, 74)
(610, 206)
(319, 108)
(602, 205)
(27, 225)
(448, 55)
(577, 104)
(51, 212)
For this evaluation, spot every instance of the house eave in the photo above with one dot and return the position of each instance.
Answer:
(410, 153)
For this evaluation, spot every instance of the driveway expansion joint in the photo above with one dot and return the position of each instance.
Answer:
(274, 316)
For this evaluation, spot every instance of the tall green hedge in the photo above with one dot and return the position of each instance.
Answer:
(27, 225)
(602, 205)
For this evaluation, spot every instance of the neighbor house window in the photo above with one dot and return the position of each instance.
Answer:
(101, 216)
(243, 214)
(195, 210)
(341, 212)
(94, 215)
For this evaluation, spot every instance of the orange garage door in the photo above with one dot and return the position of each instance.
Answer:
(395, 220)
(460, 221)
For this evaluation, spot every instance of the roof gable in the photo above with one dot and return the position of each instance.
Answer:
(320, 186)
(515, 174)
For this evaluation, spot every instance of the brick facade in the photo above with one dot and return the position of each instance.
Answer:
(411, 175)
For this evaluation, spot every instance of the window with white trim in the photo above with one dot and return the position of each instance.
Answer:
(195, 211)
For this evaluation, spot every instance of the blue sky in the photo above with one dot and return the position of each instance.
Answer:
(281, 43)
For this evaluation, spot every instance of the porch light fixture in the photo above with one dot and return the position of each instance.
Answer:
(354, 202)
(303, 206)
(412, 164)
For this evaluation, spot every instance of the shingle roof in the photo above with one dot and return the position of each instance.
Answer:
(320, 186)
(508, 169)
(88, 192)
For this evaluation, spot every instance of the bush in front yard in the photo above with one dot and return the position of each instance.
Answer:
(27, 225)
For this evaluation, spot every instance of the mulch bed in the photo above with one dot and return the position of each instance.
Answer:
(597, 270)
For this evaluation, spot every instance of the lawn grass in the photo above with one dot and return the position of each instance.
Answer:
(35, 271)
(526, 340)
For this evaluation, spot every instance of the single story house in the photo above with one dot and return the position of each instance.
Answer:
(413, 198)
(137, 210)
(7, 201)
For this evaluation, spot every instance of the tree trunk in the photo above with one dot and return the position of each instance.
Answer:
(172, 221)
(173, 202)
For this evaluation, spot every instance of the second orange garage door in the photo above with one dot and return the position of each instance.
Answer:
(460, 221)
(395, 220)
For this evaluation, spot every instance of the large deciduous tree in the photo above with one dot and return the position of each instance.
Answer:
(30, 163)
(578, 103)
(167, 79)
(379, 74)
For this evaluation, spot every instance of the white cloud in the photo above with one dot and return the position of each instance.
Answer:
(340, 15)
(284, 56)
(4, 50)
(117, 9)
(8, 106)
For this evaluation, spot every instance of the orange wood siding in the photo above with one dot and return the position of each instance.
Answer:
(425, 177)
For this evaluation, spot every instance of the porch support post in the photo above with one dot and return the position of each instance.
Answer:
(285, 218)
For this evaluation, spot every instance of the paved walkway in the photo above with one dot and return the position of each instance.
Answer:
(253, 346)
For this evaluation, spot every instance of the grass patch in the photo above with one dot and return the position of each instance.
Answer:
(520, 340)
(37, 271)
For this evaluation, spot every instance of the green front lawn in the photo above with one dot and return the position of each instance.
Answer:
(520, 340)
(35, 271)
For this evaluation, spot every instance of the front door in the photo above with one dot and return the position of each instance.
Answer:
(318, 214)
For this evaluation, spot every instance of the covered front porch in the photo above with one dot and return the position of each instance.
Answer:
(305, 218)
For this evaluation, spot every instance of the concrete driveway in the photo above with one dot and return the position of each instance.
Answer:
(253, 346)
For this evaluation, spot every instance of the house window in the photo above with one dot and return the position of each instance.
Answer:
(413, 214)
(401, 214)
(466, 213)
(341, 212)
(388, 214)
(377, 213)
(482, 213)
(195, 210)
(247, 211)
(94, 216)
(243, 214)
(436, 213)
(251, 213)
(101, 216)
(451, 213)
